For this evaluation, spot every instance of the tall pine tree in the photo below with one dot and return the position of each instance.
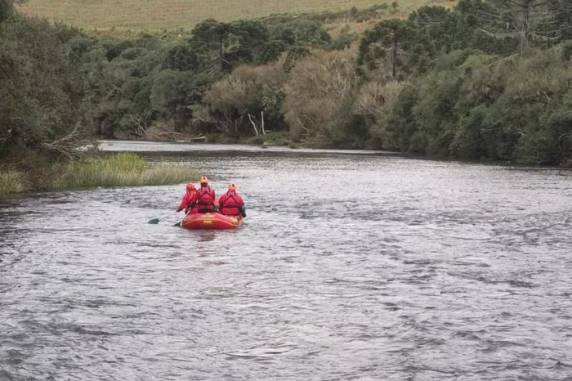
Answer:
(542, 22)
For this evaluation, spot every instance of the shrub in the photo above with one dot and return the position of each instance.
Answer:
(239, 100)
(319, 98)
(375, 103)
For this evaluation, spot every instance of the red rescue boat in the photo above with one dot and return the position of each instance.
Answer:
(215, 221)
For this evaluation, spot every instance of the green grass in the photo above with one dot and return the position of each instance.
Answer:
(11, 182)
(119, 170)
(154, 15)
(125, 169)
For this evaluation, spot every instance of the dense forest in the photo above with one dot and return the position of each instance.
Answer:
(487, 80)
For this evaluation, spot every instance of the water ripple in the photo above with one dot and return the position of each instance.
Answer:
(348, 267)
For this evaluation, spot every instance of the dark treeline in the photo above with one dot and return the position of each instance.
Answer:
(486, 80)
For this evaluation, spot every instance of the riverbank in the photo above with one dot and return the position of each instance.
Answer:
(227, 148)
(117, 170)
(161, 148)
(272, 138)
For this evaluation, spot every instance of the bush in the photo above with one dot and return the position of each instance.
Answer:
(375, 103)
(239, 100)
(319, 97)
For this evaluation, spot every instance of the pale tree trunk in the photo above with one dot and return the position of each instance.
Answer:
(253, 125)
(394, 58)
(257, 130)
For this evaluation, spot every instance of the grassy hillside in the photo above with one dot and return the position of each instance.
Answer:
(170, 14)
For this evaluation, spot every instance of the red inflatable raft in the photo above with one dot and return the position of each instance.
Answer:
(215, 221)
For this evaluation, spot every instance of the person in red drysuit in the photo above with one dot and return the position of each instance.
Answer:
(206, 197)
(231, 204)
(189, 200)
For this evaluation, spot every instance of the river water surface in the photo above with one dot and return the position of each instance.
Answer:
(349, 266)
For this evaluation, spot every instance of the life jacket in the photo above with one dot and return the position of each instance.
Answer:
(206, 199)
(230, 204)
(189, 201)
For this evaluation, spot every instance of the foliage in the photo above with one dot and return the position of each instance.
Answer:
(491, 108)
(297, 31)
(173, 92)
(386, 42)
(447, 82)
(375, 103)
(5, 9)
(134, 85)
(539, 22)
(319, 97)
(410, 47)
(182, 58)
(250, 93)
(40, 88)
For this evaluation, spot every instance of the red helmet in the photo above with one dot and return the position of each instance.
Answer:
(191, 187)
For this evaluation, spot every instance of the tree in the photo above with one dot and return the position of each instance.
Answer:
(172, 94)
(388, 36)
(563, 18)
(181, 58)
(297, 32)
(247, 41)
(436, 28)
(525, 20)
(209, 39)
(40, 89)
(249, 98)
(375, 103)
(5, 9)
(319, 100)
(230, 44)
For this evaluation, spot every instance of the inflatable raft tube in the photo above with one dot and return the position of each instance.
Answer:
(212, 221)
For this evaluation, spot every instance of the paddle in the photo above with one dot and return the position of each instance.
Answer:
(155, 221)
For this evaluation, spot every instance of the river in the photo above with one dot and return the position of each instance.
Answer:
(350, 265)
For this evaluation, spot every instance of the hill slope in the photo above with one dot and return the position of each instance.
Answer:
(170, 14)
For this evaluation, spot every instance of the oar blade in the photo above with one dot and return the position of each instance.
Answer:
(154, 221)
